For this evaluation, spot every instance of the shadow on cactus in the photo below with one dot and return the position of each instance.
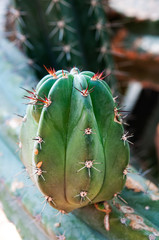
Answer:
(73, 142)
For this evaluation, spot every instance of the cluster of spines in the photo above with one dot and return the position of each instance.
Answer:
(37, 100)
(88, 163)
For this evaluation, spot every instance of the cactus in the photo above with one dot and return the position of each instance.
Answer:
(74, 139)
(53, 34)
(22, 202)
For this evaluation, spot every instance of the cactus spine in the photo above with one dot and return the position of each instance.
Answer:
(73, 137)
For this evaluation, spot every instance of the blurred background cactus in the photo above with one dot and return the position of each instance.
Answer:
(117, 37)
(64, 33)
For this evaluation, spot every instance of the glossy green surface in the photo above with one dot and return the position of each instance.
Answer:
(66, 146)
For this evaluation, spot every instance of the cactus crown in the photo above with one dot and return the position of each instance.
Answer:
(73, 136)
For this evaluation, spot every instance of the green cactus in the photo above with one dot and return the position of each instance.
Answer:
(74, 138)
(22, 202)
(66, 33)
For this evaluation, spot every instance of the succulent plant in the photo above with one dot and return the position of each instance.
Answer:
(73, 141)
(51, 32)
(22, 202)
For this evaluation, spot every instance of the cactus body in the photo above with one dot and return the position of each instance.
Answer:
(72, 140)
(19, 199)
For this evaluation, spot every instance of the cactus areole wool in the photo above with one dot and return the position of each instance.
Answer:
(72, 139)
